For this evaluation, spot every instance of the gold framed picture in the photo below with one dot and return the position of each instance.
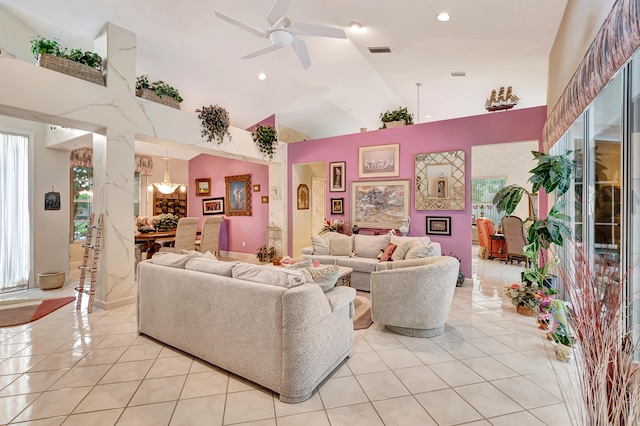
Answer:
(303, 197)
(203, 187)
(256, 188)
(238, 189)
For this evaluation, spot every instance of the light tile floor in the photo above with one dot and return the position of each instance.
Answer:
(490, 367)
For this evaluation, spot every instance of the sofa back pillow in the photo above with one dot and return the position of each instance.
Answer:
(340, 246)
(320, 245)
(401, 251)
(210, 266)
(172, 260)
(370, 245)
(418, 250)
(397, 239)
(271, 275)
(324, 276)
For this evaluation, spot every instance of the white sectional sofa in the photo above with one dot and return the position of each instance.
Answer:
(338, 249)
(263, 323)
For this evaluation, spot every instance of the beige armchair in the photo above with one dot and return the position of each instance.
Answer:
(185, 238)
(413, 297)
(210, 236)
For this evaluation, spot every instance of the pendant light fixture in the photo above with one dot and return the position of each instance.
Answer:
(166, 186)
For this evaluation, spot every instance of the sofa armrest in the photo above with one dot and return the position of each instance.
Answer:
(307, 250)
(340, 296)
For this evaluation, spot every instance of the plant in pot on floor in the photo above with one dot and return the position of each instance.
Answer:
(553, 173)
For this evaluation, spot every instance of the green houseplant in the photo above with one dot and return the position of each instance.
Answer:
(75, 62)
(553, 173)
(215, 123)
(166, 221)
(400, 114)
(266, 137)
(164, 93)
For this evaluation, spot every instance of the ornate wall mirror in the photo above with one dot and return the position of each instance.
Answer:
(440, 181)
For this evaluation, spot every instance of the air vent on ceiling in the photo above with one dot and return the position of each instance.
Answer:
(379, 49)
(458, 74)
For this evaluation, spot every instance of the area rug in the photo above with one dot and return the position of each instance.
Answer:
(362, 316)
(16, 312)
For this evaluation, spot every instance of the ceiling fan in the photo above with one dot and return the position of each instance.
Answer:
(282, 32)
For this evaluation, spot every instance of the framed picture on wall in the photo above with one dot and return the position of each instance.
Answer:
(303, 197)
(203, 187)
(337, 178)
(379, 161)
(438, 225)
(337, 206)
(238, 191)
(52, 201)
(213, 205)
(390, 198)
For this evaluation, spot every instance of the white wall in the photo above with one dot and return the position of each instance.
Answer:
(511, 160)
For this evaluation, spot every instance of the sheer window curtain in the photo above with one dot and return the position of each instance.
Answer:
(15, 236)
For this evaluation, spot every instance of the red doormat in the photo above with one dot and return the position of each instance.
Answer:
(16, 312)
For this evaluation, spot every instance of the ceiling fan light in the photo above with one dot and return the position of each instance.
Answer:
(443, 17)
(355, 26)
(281, 37)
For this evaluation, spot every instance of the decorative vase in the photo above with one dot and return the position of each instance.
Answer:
(404, 226)
(355, 229)
(564, 353)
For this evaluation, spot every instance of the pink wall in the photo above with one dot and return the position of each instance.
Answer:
(235, 229)
(449, 135)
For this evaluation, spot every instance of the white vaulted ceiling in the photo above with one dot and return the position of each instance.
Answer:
(496, 42)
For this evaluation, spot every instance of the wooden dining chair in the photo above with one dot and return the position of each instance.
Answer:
(185, 238)
(210, 236)
(514, 236)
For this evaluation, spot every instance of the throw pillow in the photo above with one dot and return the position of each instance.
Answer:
(172, 260)
(324, 276)
(271, 275)
(210, 266)
(320, 245)
(370, 245)
(418, 250)
(401, 251)
(386, 255)
(340, 247)
(300, 265)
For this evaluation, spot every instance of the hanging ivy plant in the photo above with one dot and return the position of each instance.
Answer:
(215, 123)
(266, 138)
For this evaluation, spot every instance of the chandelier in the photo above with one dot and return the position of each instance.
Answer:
(166, 186)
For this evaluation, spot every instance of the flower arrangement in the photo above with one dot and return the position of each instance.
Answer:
(215, 123)
(266, 137)
(166, 221)
(335, 226)
(523, 294)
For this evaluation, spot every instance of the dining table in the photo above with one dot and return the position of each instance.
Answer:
(151, 237)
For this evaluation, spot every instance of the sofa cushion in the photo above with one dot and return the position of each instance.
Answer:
(419, 250)
(396, 239)
(324, 276)
(358, 264)
(401, 250)
(320, 245)
(271, 275)
(386, 254)
(173, 260)
(210, 266)
(340, 247)
(370, 245)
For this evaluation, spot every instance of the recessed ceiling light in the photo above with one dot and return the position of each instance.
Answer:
(443, 17)
(355, 26)
(262, 76)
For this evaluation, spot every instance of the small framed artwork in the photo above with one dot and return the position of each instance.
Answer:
(438, 225)
(336, 181)
(442, 187)
(265, 199)
(275, 192)
(256, 188)
(52, 201)
(203, 187)
(379, 161)
(213, 205)
(303, 197)
(238, 191)
(337, 206)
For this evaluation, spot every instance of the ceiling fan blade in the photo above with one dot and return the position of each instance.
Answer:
(316, 30)
(246, 27)
(262, 51)
(303, 54)
(278, 10)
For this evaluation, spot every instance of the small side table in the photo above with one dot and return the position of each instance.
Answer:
(344, 277)
(500, 239)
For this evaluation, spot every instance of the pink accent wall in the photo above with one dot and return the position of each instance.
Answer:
(235, 229)
(449, 135)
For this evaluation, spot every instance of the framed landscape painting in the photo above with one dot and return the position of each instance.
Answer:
(238, 190)
(379, 204)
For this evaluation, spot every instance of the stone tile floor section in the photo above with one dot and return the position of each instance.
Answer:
(490, 367)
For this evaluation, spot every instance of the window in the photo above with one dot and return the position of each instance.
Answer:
(482, 193)
(82, 204)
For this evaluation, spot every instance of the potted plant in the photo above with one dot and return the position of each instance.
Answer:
(166, 221)
(158, 91)
(215, 123)
(397, 117)
(553, 173)
(525, 297)
(460, 279)
(74, 62)
(266, 138)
